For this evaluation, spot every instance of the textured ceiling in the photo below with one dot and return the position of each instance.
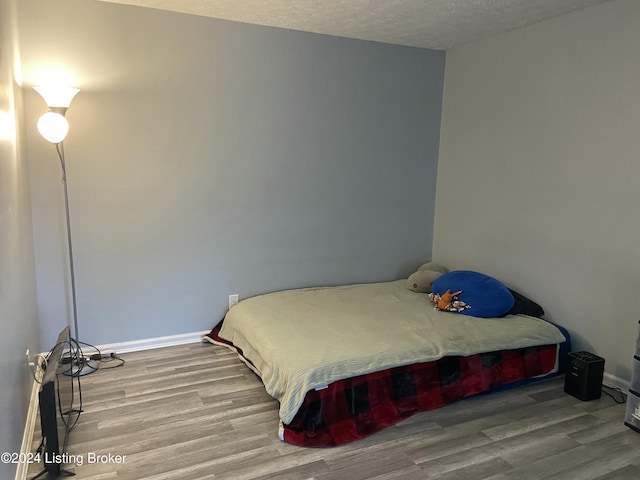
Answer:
(438, 24)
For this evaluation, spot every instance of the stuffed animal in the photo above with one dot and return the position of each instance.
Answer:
(448, 302)
(445, 300)
(422, 280)
(434, 267)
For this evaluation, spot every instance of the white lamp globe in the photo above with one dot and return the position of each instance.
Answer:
(53, 127)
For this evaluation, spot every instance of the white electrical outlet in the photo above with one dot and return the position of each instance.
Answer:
(31, 362)
(233, 299)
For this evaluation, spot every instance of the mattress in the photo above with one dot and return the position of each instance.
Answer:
(304, 340)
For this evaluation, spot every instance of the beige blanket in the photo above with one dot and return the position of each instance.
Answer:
(303, 339)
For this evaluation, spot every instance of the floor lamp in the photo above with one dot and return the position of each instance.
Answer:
(53, 126)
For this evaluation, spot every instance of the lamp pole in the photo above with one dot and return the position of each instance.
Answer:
(60, 151)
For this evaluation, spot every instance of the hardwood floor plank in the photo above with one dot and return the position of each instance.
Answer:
(520, 452)
(625, 473)
(370, 464)
(446, 448)
(311, 470)
(477, 470)
(543, 418)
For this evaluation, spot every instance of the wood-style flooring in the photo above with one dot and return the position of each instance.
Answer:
(195, 411)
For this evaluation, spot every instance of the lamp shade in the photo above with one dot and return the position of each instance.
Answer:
(53, 127)
(55, 96)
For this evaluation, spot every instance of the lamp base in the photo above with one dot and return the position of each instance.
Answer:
(81, 366)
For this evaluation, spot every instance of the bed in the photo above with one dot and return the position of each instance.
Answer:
(347, 361)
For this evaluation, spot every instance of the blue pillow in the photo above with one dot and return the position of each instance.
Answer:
(487, 296)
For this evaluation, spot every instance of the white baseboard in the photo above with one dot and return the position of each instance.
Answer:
(616, 382)
(151, 343)
(30, 423)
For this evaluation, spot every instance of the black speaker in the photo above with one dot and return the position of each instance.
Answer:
(583, 378)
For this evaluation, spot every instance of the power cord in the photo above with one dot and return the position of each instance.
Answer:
(38, 365)
(622, 397)
(90, 359)
(103, 358)
(75, 379)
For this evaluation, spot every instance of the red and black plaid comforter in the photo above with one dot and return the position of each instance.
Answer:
(355, 407)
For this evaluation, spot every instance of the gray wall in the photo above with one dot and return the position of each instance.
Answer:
(539, 168)
(209, 157)
(18, 305)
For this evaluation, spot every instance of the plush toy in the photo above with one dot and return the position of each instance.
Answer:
(422, 280)
(448, 301)
(434, 267)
